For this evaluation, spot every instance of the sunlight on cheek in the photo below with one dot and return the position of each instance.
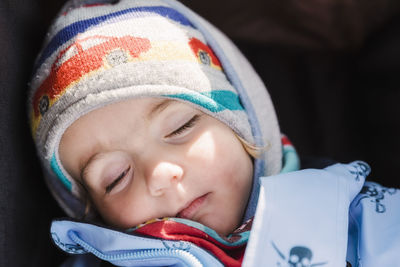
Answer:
(181, 189)
(203, 147)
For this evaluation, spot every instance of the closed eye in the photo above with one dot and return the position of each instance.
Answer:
(189, 124)
(111, 186)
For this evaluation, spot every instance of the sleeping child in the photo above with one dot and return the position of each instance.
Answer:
(162, 145)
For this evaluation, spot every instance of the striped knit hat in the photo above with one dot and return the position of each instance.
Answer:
(100, 52)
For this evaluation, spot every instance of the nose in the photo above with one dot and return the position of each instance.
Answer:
(163, 176)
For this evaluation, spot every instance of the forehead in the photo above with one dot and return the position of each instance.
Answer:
(109, 118)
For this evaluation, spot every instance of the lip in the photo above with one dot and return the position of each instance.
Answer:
(190, 210)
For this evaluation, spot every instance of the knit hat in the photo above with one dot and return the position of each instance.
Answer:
(101, 52)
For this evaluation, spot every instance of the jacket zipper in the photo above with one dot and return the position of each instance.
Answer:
(145, 254)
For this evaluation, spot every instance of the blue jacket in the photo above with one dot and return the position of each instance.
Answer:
(309, 217)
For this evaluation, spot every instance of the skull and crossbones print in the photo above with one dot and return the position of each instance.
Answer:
(376, 194)
(299, 256)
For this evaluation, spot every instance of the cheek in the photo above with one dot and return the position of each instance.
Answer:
(126, 210)
(203, 153)
(208, 158)
(116, 213)
(220, 153)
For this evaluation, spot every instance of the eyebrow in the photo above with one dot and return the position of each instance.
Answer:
(159, 107)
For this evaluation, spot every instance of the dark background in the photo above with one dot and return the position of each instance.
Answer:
(332, 68)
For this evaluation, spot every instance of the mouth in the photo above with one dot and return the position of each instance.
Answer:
(190, 210)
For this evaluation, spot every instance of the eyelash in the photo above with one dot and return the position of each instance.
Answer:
(185, 127)
(111, 186)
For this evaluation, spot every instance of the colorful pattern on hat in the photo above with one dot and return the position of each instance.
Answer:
(103, 53)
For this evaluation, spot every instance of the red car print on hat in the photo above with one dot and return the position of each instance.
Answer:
(82, 57)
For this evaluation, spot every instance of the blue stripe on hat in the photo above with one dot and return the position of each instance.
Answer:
(215, 101)
(81, 26)
(56, 168)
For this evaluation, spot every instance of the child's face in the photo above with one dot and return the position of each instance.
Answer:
(148, 158)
